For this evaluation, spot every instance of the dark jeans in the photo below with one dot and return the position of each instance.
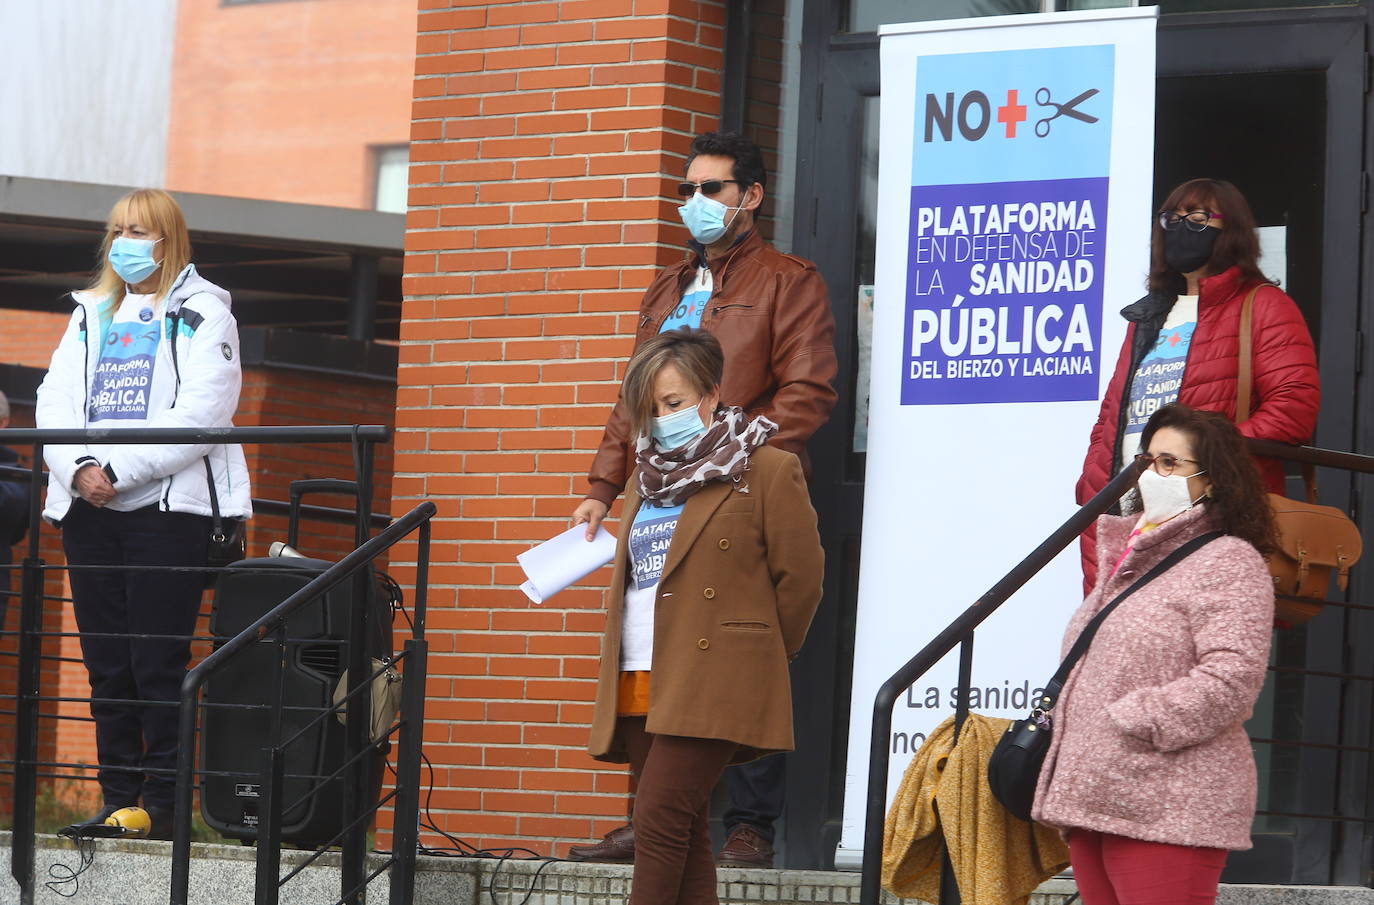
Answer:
(673, 860)
(756, 794)
(131, 738)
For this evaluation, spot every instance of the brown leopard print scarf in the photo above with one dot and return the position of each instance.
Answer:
(719, 454)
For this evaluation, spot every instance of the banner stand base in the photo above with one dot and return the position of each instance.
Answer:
(849, 858)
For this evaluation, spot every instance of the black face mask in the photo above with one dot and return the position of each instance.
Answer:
(1186, 251)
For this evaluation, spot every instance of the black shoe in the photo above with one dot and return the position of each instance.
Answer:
(161, 820)
(86, 827)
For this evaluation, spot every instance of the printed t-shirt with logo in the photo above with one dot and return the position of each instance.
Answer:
(1159, 376)
(694, 301)
(651, 534)
(123, 380)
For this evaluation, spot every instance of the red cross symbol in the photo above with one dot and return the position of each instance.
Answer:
(1175, 339)
(1011, 113)
(126, 338)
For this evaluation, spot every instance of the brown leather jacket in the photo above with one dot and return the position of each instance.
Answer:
(771, 313)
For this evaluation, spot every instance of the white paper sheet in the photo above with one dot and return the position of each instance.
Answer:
(564, 560)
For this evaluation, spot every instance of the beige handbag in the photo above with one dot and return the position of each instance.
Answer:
(386, 698)
(1314, 540)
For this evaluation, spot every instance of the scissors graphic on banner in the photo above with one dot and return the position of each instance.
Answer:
(1042, 97)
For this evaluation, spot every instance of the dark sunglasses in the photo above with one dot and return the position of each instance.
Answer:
(709, 187)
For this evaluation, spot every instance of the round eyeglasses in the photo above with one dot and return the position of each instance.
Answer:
(1164, 464)
(1194, 221)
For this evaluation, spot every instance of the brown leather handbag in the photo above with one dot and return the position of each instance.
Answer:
(1314, 540)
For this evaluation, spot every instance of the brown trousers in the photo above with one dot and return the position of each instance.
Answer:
(673, 860)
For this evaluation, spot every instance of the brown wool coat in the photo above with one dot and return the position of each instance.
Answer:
(739, 588)
(1149, 741)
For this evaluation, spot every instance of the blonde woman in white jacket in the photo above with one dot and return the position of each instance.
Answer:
(150, 344)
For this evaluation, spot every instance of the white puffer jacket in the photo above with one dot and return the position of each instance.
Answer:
(195, 384)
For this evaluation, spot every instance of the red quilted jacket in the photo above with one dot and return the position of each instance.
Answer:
(1286, 391)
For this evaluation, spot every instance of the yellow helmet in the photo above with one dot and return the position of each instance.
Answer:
(134, 821)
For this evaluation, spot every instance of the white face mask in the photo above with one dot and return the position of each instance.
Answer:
(1164, 497)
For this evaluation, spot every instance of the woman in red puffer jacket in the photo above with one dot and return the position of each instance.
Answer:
(1182, 343)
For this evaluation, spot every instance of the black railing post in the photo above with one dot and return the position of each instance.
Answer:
(184, 792)
(357, 729)
(421, 583)
(949, 884)
(268, 872)
(26, 696)
(405, 835)
(270, 785)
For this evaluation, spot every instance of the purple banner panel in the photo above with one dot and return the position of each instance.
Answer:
(1004, 292)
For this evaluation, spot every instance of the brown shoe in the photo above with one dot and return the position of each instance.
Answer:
(616, 847)
(745, 847)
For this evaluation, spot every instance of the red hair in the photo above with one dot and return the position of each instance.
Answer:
(1237, 246)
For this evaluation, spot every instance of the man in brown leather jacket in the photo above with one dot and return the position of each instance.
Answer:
(771, 312)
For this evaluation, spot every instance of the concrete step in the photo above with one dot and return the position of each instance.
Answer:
(139, 873)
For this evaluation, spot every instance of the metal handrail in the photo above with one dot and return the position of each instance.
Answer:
(362, 439)
(273, 620)
(261, 506)
(272, 433)
(960, 631)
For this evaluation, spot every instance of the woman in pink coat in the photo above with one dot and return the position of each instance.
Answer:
(1150, 771)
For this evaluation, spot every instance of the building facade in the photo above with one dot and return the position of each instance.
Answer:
(546, 141)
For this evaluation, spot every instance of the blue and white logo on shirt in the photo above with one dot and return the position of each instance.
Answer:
(693, 305)
(651, 534)
(1160, 375)
(124, 374)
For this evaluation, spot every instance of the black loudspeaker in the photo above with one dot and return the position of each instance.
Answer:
(232, 739)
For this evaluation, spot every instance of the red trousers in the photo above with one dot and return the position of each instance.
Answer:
(1114, 870)
(673, 860)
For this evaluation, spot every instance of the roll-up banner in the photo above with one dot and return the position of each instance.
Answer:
(1015, 170)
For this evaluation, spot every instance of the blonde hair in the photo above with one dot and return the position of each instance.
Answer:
(696, 354)
(155, 211)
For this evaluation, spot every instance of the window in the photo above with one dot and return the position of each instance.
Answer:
(391, 172)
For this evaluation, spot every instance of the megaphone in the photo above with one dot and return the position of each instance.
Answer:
(127, 823)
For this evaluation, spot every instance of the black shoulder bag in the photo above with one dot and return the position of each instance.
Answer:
(1015, 764)
(227, 540)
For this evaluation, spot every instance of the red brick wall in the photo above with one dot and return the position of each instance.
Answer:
(277, 396)
(546, 141)
(28, 337)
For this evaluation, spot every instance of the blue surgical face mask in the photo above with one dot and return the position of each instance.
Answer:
(132, 259)
(705, 218)
(678, 428)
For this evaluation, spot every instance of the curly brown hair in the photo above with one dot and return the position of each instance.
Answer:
(1237, 495)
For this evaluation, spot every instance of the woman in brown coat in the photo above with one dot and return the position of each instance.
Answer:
(717, 575)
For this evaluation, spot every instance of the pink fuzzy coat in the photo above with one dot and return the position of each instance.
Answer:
(1148, 737)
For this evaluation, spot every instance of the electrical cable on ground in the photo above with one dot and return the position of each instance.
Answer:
(63, 874)
(461, 848)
